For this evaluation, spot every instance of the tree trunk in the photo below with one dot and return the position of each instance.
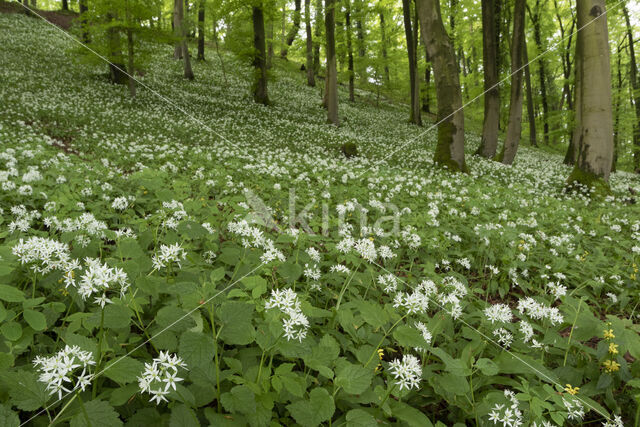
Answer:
(635, 84)
(352, 96)
(450, 147)
(414, 85)
(65, 4)
(514, 126)
(616, 122)
(130, 68)
(269, 42)
(116, 60)
(311, 81)
(83, 20)
(201, 30)
(427, 82)
(175, 25)
(530, 112)
(182, 32)
(332, 72)
(293, 32)
(317, 32)
(383, 37)
(595, 124)
(489, 142)
(537, 36)
(260, 94)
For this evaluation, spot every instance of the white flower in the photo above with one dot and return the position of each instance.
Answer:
(295, 324)
(366, 249)
(167, 255)
(161, 375)
(499, 313)
(120, 203)
(66, 371)
(407, 372)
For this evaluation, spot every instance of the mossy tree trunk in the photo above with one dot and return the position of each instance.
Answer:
(450, 147)
(635, 85)
(293, 32)
(594, 127)
(182, 33)
(542, 73)
(175, 25)
(530, 110)
(317, 22)
(426, 102)
(117, 74)
(82, 4)
(383, 40)
(514, 126)
(331, 86)
(311, 81)
(260, 94)
(491, 123)
(414, 82)
(201, 30)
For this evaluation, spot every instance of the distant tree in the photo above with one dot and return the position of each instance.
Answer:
(514, 126)
(311, 81)
(350, 50)
(536, 17)
(181, 32)
(383, 43)
(65, 4)
(594, 118)
(201, 9)
(490, 38)
(635, 86)
(293, 32)
(331, 85)
(450, 146)
(260, 93)
(530, 110)
(414, 82)
(318, 24)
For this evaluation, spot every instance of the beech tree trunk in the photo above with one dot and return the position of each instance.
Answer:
(182, 32)
(427, 82)
(635, 85)
(414, 82)
(490, 31)
(594, 124)
(530, 112)
(331, 86)
(260, 94)
(82, 4)
(383, 37)
(514, 126)
(352, 96)
(311, 81)
(317, 22)
(450, 146)
(116, 59)
(175, 25)
(293, 32)
(537, 36)
(616, 113)
(65, 4)
(201, 30)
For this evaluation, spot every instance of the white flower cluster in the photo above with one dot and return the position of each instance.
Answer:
(120, 203)
(177, 214)
(498, 313)
(253, 237)
(575, 410)
(23, 218)
(425, 334)
(167, 255)
(537, 311)
(366, 249)
(615, 422)
(87, 223)
(60, 371)
(504, 337)
(45, 255)
(407, 372)
(161, 375)
(98, 278)
(508, 415)
(296, 324)
(389, 282)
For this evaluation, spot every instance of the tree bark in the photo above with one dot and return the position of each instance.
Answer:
(293, 32)
(427, 82)
(635, 84)
(175, 25)
(201, 30)
(116, 60)
(530, 112)
(311, 81)
(514, 126)
(414, 82)
(616, 122)
(332, 73)
(65, 4)
(383, 37)
(450, 146)
(182, 31)
(595, 124)
(131, 70)
(82, 4)
(352, 96)
(318, 32)
(260, 94)
(491, 123)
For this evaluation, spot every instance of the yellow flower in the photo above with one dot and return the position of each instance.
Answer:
(613, 348)
(611, 366)
(380, 353)
(608, 334)
(571, 390)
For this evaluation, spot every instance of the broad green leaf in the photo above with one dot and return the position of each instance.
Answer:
(240, 400)
(360, 418)
(99, 413)
(8, 418)
(408, 337)
(310, 413)
(237, 328)
(196, 349)
(25, 391)
(123, 370)
(35, 319)
(11, 330)
(11, 294)
(183, 416)
(354, 379)
(410, 415)
(487, 366)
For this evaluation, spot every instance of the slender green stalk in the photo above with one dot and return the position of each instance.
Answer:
(215, 355)
(346, 285)
(94, 391)
(386, 334)
(62, 410)
(566, 353)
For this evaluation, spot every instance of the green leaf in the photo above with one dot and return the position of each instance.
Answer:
(256, 284)
(372, 313)
(487, 366)
(100, 414)
(354, 379)
(8, 418)
(408, 337)
(360, 418)
(183, 416)
(117, 316)
(26, 392)
(11, 330)
(196, 349)
(410, 415)
(11, 294)
(123, 370)
(290, 271)
(35, 319)
(455, 366)
(312, 412)
(240, 399)
(237, 328)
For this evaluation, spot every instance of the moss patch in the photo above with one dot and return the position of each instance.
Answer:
(349, 149)
(579, 177)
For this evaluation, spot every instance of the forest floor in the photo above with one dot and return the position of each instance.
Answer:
(295, 284)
